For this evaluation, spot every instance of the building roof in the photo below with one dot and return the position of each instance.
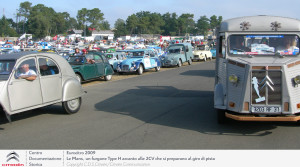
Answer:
(76, 31)
(103, 32)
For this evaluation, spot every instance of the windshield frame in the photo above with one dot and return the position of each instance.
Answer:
(5, 76)
(273, 35)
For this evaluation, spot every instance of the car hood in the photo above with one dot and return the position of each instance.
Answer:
(129, 61)
(173, 55)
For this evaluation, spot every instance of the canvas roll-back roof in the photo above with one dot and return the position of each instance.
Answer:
(260, 23)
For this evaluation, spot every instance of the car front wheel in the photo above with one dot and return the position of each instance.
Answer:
(222, 119)
(140, 70)
(157, 68)
(179, 63)
(72, 106)
(108, 77)
(79, 78)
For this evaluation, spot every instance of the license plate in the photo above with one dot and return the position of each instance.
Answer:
(264, 109)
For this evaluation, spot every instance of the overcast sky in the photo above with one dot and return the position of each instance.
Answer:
(114, 9)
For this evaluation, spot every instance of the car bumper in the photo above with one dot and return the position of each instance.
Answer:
(289, 118)
(169, 63)
(126, 69)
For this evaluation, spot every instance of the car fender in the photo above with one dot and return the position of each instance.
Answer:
(72, 89)
(138, 63)
(219, 96)
(108, 70)
(158, 62)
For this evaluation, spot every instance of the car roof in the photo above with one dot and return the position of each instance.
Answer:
(15, 56)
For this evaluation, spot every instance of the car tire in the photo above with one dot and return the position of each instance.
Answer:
(72, 106)
(157, 68)
(179, 63)
(140, 70)
(222, 119)
(190, 62)
(107, 77)
(78, 76)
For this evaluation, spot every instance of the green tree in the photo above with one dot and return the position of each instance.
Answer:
(6, 29)
(156, 23)
(82, 16)
(203, 25)
(213, 21)
(42, 21)
(95, 18)
(24, 11)
(120, 28)
(105, 25)
(171, 24)
(186, 23)
(132, 23)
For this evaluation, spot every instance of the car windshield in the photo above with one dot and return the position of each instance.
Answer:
(6, 68)
(176, 49)
(201, 47)
(76, 59)
(134, 54)
(264, 44)
(109, 56)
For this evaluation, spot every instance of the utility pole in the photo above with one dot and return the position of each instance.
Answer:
(17, 15)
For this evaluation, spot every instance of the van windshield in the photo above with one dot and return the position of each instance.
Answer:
(263, 44)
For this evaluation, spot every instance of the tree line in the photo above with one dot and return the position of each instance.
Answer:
(42, 21)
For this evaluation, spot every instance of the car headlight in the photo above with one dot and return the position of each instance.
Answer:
(297, 80)
(233, 79)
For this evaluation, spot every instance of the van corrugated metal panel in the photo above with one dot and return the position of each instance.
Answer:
(294, 91)
(235, 91)
(222, 74)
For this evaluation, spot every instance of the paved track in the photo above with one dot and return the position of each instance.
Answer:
(170, 109)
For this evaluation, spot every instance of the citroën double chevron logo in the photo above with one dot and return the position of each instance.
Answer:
(266, 82)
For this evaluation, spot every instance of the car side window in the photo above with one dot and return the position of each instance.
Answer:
(26, 69)
(98, 59)
(152, 54)
(47, 67)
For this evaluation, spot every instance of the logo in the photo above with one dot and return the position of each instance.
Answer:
(275, 25)
(13, 159)
(245, 25)
(12, 156)
(266, 82)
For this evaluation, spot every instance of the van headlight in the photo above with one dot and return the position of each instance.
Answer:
(297, 80)
(233, 79)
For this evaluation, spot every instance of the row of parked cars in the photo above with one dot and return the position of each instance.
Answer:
(138, 60)
(30, 80)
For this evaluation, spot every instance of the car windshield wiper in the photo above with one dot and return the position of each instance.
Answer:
(241, 50)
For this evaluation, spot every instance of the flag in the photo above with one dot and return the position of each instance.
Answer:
(55, 38)
(23, 36)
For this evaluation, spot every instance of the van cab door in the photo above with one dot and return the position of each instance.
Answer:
(21, 92)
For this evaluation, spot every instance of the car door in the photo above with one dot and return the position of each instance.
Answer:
(50, 78)
(153, 59)
(99, 61)
(147, 61)
(23, 93)
(89, 69)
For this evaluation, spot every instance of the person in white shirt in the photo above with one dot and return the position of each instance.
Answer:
(27, 73)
